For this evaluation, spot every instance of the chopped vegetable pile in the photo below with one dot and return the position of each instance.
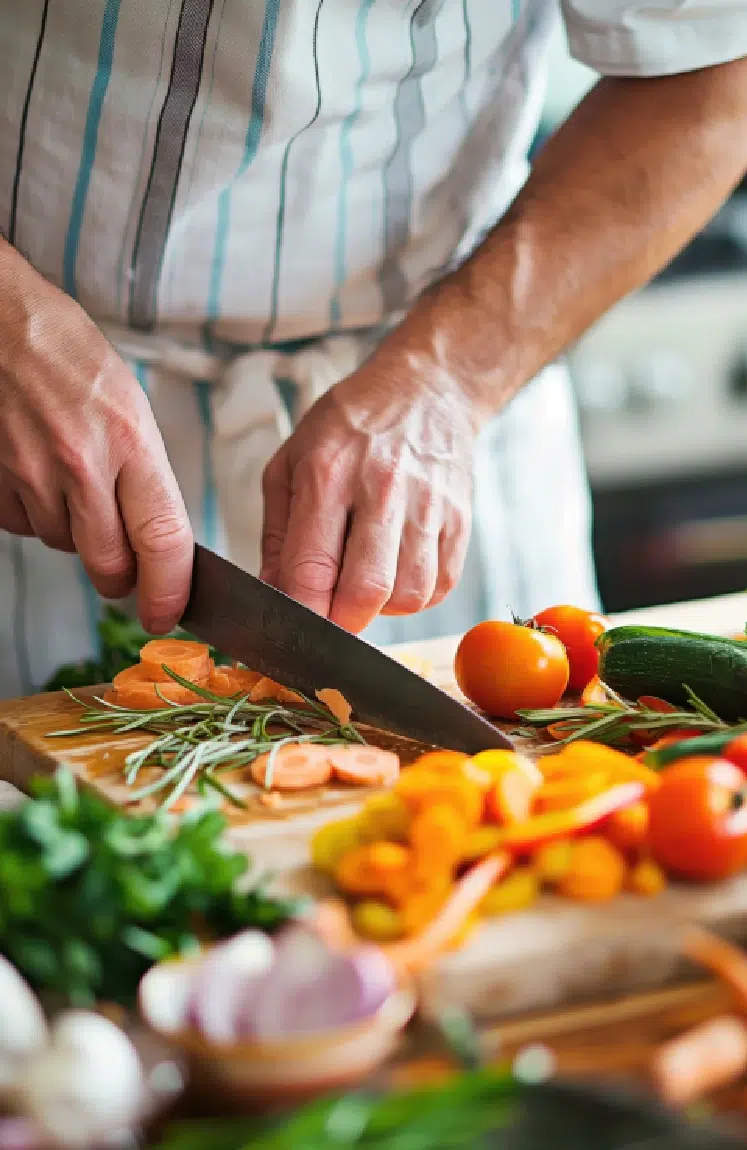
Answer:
(90, 898)
(576, 823)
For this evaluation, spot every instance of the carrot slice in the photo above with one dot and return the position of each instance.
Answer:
(336, 702)
(142, 696)
(245, 679)
(417, 952)
(364, 766)
(268, 689)
(190, 660)
(229, 681)
(220, 683)
(297, 766)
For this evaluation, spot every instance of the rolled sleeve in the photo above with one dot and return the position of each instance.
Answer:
(655, 38)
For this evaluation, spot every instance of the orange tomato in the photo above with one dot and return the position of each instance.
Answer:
(578, 631)
(507, 667)
(698, 819)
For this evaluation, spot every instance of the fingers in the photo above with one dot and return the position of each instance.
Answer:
(453, 542)
(417, 566)
(160, 537)
(312, 549)
(276, 494)
(369, 569)
(101, 541)
(48, 515)
(13, 516)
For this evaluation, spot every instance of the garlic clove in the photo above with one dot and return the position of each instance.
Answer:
(24, 1028)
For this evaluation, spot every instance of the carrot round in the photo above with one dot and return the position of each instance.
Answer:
(297, 766)
(336, 702)
(269, 689)
(188, 659)
(228, 681)
(364, 766)
(142, 696)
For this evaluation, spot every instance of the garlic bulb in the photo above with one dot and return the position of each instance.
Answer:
(24, 1028)
(86, 1085)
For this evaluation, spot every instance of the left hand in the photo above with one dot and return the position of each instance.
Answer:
(368, 503)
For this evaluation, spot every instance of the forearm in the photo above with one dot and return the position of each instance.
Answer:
(635, 172)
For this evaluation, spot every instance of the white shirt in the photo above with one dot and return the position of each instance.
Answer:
(217, 180)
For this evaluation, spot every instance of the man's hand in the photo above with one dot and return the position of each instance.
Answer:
(368, 504)
(82, 463)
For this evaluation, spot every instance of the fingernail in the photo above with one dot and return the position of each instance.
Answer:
(159, 626)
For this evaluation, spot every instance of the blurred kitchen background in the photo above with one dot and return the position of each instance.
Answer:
(662, 387)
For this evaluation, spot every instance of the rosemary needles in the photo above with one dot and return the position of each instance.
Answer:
(194, 742)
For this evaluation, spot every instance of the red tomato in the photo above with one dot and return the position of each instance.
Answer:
(507, 667)
(578, 631)
(736, 751)
(698, 819)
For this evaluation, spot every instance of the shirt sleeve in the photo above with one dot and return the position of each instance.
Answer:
(655, 37)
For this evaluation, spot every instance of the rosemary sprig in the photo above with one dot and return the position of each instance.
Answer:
(612, 723)
(193, 741)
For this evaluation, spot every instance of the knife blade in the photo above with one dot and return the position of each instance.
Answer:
(260, 626)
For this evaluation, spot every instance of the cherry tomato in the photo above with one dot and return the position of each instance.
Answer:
(507, 667)
(698, 819)
(578, 631)
(736, 751)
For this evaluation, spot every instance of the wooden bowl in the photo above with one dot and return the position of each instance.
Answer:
(251, 1075)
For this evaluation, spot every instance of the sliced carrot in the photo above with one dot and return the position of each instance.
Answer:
(190, 660)
(364, 766)
(220, 683)
(510, 798)
(336, 702)
(268, 689)
(417, 952)
(244, 679)
(297, 767)
(143, 697)
(563, 792)
(441, 760)
(136, 674)
(229, 681)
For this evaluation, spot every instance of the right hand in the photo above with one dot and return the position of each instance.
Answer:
(82, 463)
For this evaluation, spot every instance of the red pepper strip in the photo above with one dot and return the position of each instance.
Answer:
(524, 837)
(653, 703)
(642, 737)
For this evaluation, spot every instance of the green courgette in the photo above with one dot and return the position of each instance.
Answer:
(637, 661)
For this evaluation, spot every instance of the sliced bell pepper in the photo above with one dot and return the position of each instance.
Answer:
(527, 836)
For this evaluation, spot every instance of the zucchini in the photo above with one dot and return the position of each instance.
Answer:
(637, 661)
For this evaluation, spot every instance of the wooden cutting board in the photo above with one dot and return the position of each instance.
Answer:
(556, 953)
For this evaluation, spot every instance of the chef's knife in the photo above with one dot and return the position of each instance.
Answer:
(247, 619)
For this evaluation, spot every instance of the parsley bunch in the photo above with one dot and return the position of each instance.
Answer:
(90, 898)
